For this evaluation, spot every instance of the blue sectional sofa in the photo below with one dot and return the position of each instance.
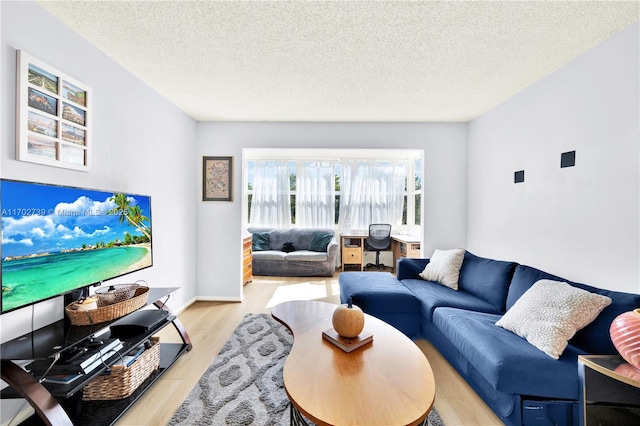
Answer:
(519, 382)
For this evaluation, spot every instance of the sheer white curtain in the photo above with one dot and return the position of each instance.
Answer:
(271, 201)
(315, 194)
(372, 191)
(388, 191)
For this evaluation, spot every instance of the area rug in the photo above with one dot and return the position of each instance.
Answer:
(243, 386)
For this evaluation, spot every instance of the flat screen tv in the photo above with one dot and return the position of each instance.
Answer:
(57, 239)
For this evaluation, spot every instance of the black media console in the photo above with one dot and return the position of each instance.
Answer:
(62, 404)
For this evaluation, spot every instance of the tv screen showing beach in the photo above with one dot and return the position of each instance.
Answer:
(56, 239)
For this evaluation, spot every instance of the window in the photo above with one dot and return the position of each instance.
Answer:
(417, 192)
(341, 192)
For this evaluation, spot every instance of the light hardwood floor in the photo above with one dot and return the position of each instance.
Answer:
(210, 324)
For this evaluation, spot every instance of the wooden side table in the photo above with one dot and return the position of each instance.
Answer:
(247, 261)
(352, 248)
(610, 391)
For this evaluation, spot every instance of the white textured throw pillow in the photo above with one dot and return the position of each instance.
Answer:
(550, 313)
(444, 267)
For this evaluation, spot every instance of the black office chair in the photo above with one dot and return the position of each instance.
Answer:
(379, 239)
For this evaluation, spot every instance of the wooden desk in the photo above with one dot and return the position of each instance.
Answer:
(405, 246)
(352, 248)
(387, 382)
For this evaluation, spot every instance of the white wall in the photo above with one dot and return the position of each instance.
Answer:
(141, 144)
(579, 222)
(219, 223)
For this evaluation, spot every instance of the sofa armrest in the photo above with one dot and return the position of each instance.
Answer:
(408, 268)
(332, 249)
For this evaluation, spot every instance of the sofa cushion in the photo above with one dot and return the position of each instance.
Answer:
(320, 240)
(594, 338)
(307, 256)
(380, 294)
(407, 268)
(444, 267)
(433, 295)
(550, 313)
(508, 362)
(269, 255)
(381, 291)
(487, 278)
(260, 241)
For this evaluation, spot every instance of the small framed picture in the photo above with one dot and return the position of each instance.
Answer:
(53, 116)
(217, 178)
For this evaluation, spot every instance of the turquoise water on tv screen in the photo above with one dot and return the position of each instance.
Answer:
(27, 280)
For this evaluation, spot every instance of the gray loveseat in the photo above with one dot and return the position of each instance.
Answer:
(314, 255)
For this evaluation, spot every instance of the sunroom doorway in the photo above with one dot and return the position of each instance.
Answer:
(342, 189)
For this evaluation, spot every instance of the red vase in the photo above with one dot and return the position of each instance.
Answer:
(625, 335)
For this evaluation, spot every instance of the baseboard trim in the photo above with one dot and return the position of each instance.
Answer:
(218, 299)
(185, 306)
(193, 300)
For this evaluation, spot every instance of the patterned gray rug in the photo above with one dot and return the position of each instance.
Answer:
(243, 386)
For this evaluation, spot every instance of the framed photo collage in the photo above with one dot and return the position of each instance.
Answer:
(53, 116)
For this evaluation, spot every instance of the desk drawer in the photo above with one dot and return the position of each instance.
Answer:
(351, 255)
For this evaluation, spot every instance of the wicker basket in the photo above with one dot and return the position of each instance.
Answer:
(122, 381)
(80, 316)
(116, 293)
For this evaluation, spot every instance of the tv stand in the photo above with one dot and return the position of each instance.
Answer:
(48, 399)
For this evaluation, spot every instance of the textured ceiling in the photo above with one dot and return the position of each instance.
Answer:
(342, 61)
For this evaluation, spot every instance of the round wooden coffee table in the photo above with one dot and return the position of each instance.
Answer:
(387, 382)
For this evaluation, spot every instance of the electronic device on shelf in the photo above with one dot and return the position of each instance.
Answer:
(58, 239)
(56, 378)
(138, 322)
(80, 359)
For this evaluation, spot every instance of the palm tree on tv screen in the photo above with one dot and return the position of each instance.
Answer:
(133, 214)
(137, 217)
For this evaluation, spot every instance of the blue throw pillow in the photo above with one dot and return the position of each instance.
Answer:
(320, 241)
(487, 279)
(260, 241)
